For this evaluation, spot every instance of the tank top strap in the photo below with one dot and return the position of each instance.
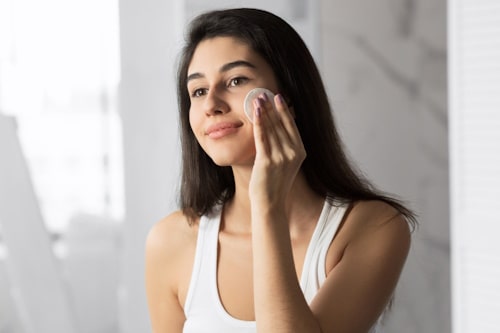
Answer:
(313, 271)
(203, 309)
(199, 286)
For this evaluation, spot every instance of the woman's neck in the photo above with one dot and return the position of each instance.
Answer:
(303, 205)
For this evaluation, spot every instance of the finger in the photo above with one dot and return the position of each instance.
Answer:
(274, 122)
(259, 133)
(287, 119)
(267, 133)
(272, 127)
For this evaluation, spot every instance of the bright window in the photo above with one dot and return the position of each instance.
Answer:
(59, 74)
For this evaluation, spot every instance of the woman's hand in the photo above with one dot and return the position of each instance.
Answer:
(279, 303)
(279, 153)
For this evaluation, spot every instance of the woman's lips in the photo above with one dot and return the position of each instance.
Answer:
(220, 130)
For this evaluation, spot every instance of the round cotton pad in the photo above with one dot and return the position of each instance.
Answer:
(251, 96)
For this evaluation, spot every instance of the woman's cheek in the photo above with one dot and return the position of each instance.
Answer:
(195, 123)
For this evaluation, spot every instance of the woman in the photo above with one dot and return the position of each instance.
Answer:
(277, 232)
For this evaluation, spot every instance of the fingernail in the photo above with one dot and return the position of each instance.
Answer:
(257, 112)
(257, 103)
(264, 97)
(281, 99)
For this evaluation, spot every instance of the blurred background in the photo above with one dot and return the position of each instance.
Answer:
(89, 148)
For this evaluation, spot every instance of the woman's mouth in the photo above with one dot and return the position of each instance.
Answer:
(222, 129)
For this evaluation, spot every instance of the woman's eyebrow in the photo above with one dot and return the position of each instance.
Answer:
(224, 68)
(237, 63)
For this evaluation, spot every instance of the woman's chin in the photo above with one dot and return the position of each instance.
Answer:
(231, 161)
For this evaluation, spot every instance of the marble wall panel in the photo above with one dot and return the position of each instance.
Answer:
(384, 63)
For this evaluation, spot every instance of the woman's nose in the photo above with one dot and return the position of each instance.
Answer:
(215, 104)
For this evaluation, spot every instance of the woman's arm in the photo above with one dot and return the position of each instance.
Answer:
(375, 242)
(358, 288)
(280, 305)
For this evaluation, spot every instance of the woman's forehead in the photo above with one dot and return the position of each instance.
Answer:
(213, 53)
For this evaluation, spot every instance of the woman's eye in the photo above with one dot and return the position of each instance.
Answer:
(237, 81)
(198, 92)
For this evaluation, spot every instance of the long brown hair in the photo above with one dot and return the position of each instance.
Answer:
(327, 169)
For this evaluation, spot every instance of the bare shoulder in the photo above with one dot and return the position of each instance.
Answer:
(378, 222)
(171, 233)
(366, 260)
(170, 247)
(375, 214)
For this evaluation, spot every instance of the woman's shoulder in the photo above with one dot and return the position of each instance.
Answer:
(377, 220)
(373, 232)
(170, 248)
(375, 212)
(171, 237)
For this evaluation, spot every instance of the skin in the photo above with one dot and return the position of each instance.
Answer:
(267, 226)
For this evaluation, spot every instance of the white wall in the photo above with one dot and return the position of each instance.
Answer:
(149, 30)
(474, 75)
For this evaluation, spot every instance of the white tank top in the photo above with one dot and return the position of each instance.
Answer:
(203, 308)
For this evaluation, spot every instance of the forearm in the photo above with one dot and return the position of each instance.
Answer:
(280, 305)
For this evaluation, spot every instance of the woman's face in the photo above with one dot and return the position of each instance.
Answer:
(221, 73)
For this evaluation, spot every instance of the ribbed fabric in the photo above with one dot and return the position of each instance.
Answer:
(203, 309)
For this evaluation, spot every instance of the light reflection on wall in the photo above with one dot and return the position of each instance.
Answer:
(59, 73)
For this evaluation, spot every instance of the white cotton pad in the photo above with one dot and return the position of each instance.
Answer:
(251, 96)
